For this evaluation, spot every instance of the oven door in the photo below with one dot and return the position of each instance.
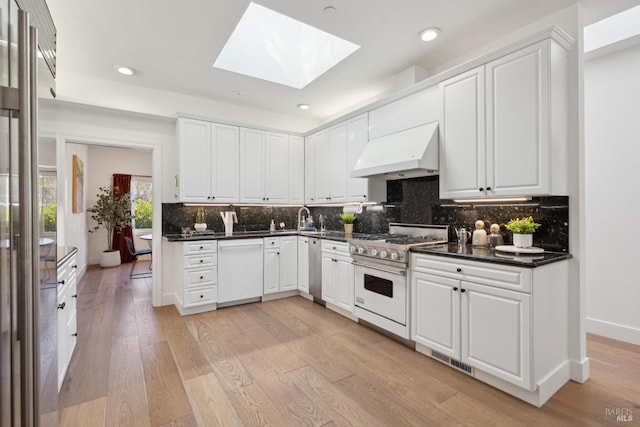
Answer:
(382, 290)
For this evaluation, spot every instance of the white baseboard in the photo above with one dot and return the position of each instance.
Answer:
(614, 330)
(579, 370)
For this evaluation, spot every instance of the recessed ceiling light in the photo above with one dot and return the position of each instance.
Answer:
(126, 71)
(429, 34)
(303, 106)
(274, 47)
(329, 10)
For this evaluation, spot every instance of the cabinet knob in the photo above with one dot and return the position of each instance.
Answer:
(455, 289)
(213, 197)
(267, 198)
(61, 282)
(480, 189)
(75, 334)
(463, 290)
(201, 247)
(208, 197)
(488, 188)
(201, 261)
(61, 306)
(364, 195)
(201, 296)
(459, 270)
(201, 277)
(74, 296)
(277, 253)
(75, 266)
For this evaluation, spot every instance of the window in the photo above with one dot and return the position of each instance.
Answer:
(141, 202)
(48, 211)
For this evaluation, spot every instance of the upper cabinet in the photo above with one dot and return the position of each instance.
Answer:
(271, 167)
(503, 126)
(226, 164)
(208, 162)
(329, 157)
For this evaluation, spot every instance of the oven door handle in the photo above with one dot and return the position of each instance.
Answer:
(398, 273)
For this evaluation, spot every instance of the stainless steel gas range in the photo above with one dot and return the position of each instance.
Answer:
(380, 265)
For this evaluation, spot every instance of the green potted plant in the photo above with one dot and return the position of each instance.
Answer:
(522, 230)
(201, 220)
(348, 219)
(113, 213)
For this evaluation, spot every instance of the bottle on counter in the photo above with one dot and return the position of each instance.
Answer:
(272, 227)
(495, 238)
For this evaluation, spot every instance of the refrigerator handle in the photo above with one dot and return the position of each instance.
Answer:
(25, 312)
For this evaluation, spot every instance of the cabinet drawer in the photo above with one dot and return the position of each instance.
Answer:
(205, 295)
(200, 277)
(518, 279)
(271, 242)
(204, 246)
(339, 248)
(205, 260)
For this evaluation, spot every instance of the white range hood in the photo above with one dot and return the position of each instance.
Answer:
(406, 154)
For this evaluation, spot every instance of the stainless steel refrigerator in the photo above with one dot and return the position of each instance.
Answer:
(27, 32)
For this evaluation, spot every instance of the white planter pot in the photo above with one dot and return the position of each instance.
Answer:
(522, 240)
(200, 226)
(110, 259)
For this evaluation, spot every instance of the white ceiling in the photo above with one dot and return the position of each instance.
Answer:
(173, 44)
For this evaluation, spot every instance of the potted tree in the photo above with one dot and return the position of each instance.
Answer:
(522, 230)
(113, 213)
(348, 219)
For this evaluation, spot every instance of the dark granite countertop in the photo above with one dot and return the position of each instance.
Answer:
(489, 255)
(329, 234)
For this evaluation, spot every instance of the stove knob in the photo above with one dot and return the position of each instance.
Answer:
(394, 256)
(360, 250)
(383, 254)
(374, 252)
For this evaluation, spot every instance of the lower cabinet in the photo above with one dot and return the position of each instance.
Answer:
(509, 325)
(280, 264)
(196, 286)
(337, 275)
(303, 264)
(67, 320)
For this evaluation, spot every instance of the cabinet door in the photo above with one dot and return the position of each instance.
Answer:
(518, 122)
(339, 166)
(357, 138)
(310, 169)
(462, 136)
(194, 152)
(225, 169)
(328, 278)
(436, 313)
(277, 168)
(288, 263)
(252, 166)
(296, 170)
(344, 283)
(496, 332)
(271, 270)
(303, 264)
(322, 166)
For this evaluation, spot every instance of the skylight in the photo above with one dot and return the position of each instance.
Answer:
(613, 29)
(271, 46)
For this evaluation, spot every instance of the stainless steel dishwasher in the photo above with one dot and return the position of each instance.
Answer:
(315, 270)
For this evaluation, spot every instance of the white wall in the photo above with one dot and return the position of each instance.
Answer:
(102, 164)
(75, 227)
(612, 135)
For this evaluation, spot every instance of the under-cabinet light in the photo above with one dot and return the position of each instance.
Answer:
(493, 200)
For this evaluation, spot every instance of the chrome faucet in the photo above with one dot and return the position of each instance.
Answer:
(300, 227)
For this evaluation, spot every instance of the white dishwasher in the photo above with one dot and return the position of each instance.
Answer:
(240, 270)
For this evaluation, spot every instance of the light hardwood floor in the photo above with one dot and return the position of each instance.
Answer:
(293, 362)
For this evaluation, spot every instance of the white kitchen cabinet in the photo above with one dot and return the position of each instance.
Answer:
(67, 318)
(271, 167)
(280, 264)
(361, 189)
(323, 161)
(339, 166)
(303, 264)
(310, 160)
(196, 275)
(208, 161)
(504, 126)
(296, 165)
(337, 276)
(508, 324)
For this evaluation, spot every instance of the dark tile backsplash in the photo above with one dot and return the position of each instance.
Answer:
(409, 201)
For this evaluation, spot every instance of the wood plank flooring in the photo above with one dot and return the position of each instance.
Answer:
(293, 362)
